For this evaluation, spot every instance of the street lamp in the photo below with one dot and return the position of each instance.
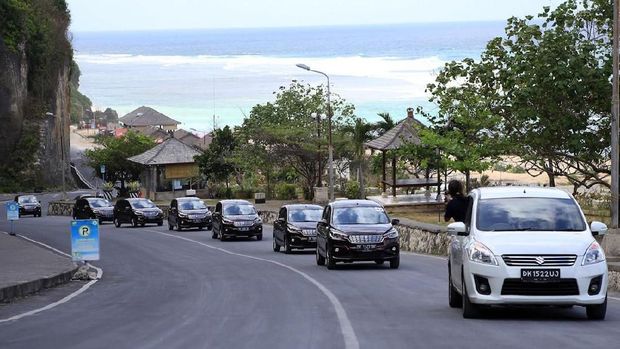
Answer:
(62, 154)
(330, 161)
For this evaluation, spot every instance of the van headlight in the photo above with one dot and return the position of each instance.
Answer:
(479, 253)
(338, 235)
(391, 234)
(594, 254)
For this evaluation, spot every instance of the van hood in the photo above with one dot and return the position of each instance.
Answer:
(363, 228)
(249, 217)
(536, 242)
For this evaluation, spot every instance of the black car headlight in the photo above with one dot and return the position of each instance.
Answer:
(294, 230)
(391, 234)
(338, 235)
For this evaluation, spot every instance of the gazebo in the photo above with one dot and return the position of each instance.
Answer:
(404, 132)
(173, 158)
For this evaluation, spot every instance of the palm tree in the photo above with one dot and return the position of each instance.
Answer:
(386, 124)
(360, 132)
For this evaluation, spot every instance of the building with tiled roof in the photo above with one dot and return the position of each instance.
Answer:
(145, 117)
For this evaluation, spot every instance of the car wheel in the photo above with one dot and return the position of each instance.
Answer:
(597, 311)
(276, 247)
(470, 310)
(329, 259)
(179, 226)
(259, 237)
(134, 222)
(454, 298)
(117, 223)
(320, 260)
(395, 262)
(159, 224)
(287, 245)
(379, 261)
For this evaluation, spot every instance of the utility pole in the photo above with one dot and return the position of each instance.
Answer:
(615, 111)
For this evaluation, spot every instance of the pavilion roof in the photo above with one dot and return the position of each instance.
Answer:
(404, 132)
(170, 151)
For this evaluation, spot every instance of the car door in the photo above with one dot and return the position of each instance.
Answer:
(457, 246)
(172, 215)
(125, 213)
(322, 230)
(279, 227)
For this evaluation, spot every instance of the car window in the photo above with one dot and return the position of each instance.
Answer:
(305, 215)
(192, 205)
(360, 215)
(239, 210)
(98, 202)
(142, 204)
(27, 200)
(527, 214)
(282, 213)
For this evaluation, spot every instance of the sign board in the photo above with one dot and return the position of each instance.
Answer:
(12, 211)
(102, 169)
(85, 240)
(181, 171)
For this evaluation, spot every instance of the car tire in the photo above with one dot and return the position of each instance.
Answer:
(117, 223)
(134, 222)
(597, 311)
(159, 224)
(320, 260)
(470, 310)
(179, 227)
(395, 262)
(276, 247)
(455, 300)
(329, 259)
(259, 237)
(287, 245)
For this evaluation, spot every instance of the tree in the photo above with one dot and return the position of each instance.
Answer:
(286, 130)
(114, 153)
(385, 124)
(217, 163)
(359, 133)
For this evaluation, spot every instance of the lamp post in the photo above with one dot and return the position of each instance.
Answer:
(319, 181)
(62, 154)
(330, 161)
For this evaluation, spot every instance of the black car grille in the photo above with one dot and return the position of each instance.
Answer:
(516, 287)
(308, 232)
(366, 239)
(539, 260)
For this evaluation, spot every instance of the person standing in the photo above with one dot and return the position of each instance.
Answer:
(456, 208)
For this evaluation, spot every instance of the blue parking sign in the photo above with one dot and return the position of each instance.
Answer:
(12, 211)
(85, 240)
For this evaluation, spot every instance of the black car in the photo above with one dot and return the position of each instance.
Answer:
(137, 212)
(28, 205)
(356, 230)
(92, 207)
(295, 227)
(189, 212)
(236, 218)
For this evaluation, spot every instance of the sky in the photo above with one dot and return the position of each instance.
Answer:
(128, 15)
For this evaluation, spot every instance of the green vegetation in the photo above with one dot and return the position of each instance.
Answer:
(114, 154)
(79, 102)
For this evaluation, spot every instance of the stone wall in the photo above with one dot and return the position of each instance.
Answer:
(60, 208)
(614, 280)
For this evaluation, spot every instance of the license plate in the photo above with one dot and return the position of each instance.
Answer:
(367, 247)
(540, 274)
(244, 229)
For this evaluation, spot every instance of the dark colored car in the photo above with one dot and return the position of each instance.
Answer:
(92, 207)
(356, 230)
(189, 212)
(236, 218)
(295, 227)
(28, 205)
(137, 211)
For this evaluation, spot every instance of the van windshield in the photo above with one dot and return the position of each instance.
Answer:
(239, 210)
(529, 214)
(305, 215)
(144, 203)
(96, 203)
(360, 215)
(192, 205)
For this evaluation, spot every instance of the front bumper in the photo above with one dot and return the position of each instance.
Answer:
(230, 230)
(301, 241)
(195, 222)
(346, 251)
(498, 275)
(105, 217)
(27, 211)
(151, 219)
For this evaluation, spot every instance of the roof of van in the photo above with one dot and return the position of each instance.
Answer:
(521, 192)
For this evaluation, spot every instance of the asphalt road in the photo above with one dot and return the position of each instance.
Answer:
(164, 289)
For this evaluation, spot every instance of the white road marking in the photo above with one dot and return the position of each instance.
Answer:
(350, 338)
(65, 299)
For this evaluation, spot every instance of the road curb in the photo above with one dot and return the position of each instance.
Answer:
(10, 293)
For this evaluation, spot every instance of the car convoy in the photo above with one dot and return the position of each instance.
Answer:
(517, 246)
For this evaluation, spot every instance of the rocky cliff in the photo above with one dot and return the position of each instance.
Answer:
(35, 65)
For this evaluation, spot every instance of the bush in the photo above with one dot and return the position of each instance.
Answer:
(222, 192)
(286, 191)
(243, 194)
(352, 190)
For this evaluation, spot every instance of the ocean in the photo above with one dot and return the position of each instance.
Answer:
(192, 75)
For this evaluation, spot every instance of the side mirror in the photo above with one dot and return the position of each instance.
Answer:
(395, 221)
(457, 229)
(280, 220)
(598, 228)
